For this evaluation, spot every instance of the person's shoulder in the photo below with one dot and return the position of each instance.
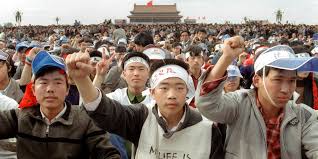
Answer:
(303, 111)
(7, 103)
(117, 92)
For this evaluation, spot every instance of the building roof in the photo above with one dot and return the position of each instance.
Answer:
(155, 9)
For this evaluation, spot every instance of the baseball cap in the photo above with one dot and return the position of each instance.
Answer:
(233, 71)
(35, 44)
(21, 45)
(283, 57)
(3, 56)
(44, 60)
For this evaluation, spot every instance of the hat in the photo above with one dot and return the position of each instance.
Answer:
(3, 56)
(233, 71)
(35, 44)
(44, 60)
(283, 57)
(156, 53)
(122, 41)
(21, 45)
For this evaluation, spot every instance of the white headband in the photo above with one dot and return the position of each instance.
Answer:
(188, 54)
(268, 57)
(136, 59)
(173, 71)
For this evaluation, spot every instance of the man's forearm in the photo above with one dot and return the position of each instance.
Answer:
(26, 75)
(98, 80)
(219, 69)
(86, 89)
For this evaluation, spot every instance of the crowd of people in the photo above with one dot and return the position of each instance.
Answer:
(177, 91)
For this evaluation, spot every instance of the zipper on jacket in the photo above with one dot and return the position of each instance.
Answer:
(47, 136)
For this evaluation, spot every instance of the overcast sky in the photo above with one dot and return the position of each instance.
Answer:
(43, 12)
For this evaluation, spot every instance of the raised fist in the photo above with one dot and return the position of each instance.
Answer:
(78, 65)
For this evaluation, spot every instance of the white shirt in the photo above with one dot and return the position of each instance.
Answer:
(180, 122)
(7, 103)
(47, 121)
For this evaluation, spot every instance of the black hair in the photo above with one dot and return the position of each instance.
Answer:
(202, 30)
(95, 53)
(11, 46)
(185, 31)
(195, 50)
(86, 40)
(120, 48)
(175, 44)
(143, 39)
(135, 54)
(10, 66)
(164, 62)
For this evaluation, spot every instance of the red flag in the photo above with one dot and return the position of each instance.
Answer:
(149, 4)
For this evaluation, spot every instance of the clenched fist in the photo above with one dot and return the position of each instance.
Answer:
(78, 65)
(233, 47)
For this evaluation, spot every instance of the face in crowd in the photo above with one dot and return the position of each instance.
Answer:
(184, 37)
(136, 75)
(51, 89)
(232, 84)
(170, 96)
(280, 85)
(195, 62)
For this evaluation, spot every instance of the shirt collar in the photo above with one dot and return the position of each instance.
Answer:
(48, 122)
(180, 122)
(278, 118)
(131, 97)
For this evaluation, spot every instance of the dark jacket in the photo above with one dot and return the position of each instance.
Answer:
(74, 135)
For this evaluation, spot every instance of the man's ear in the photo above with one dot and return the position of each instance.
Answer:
(152, 92)
(32, 88)
(256, 80)
(123, 74)
(9, 68)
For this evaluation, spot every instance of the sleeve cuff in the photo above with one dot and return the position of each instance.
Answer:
(208, 86)
(92, 106)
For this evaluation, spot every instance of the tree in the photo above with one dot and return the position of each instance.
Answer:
(18, 17)
(279, 16)
(8, 25)
(57, 19)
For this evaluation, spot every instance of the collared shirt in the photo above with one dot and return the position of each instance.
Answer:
(134, 99)
(177, 126)
(48, 122)
(272, 132)
(195, 82)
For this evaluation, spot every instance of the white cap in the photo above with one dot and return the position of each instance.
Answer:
(283, 57)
